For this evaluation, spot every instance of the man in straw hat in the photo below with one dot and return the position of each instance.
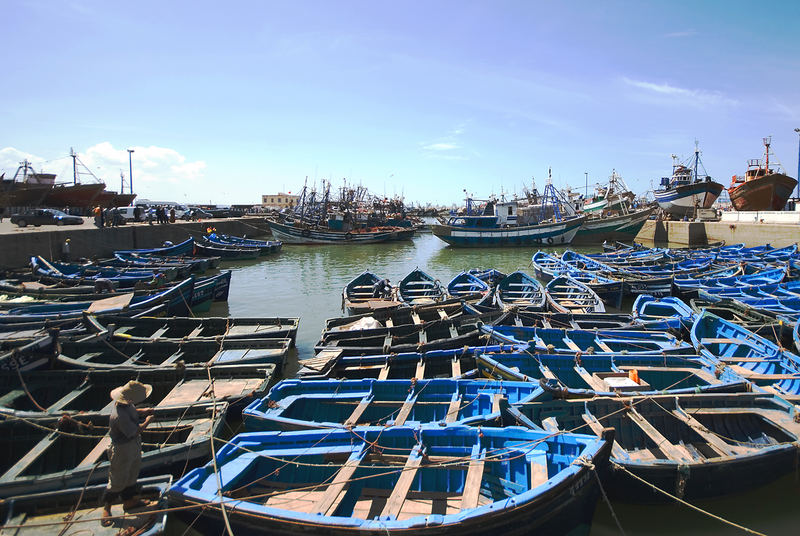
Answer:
(125, 452)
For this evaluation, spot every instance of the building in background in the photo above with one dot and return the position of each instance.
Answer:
(279, 201)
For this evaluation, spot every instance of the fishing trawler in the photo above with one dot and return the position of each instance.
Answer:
(686, 191)
(761, 188)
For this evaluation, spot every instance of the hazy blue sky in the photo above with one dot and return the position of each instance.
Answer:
(227, 101)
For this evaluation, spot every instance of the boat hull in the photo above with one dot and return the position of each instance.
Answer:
(547, 234)
(298, 235)
(681, 201)
(73, 195)
(764, 193)
(623, 228)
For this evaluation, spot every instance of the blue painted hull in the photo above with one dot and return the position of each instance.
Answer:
(546, 234)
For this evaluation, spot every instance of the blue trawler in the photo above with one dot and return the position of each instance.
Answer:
(506, 223)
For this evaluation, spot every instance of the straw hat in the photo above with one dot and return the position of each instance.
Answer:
(132, 392)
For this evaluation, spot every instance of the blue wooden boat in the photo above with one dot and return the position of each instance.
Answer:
(490, 276)
(673, 310)
(521, 291)
(762, 322)
(226, 252)
(303, 234)
(182, 249)
(419, 288)
(564, 376)
(266, 246)
(449, 363)
(468, 287)
(796, 333)
(35, 513)
(547, 266)
(196, 265)
(768, 307)
(51, 453)
(692, 446)
(787, 289)
(633, 283)
(567, 295)
(176, 299)
(304, 405)
(76, 274)
(376, 481)
(358, 296)
(543, 340)
(691, 285)
(748, 355)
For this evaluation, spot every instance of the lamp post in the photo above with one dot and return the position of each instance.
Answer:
(797, 192)
(130, 169)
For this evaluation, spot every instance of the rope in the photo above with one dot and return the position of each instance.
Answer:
(214, 455)
(586, 463)
(681, 501)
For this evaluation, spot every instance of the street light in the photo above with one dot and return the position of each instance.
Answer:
(797, 193)
(130, 167)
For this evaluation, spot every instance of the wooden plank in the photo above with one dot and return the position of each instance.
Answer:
(415, 317)
(423, 337)
(673, 452)
(455, 367)
(394, 505)
(198, 330)
(96, 452)
(550, 424)
(616, 450)
(356, 415)
(420, 372)
(571, 344)
(114, 302)
(538, 470)
(389, 323)
(159, 332)
(593, 382)
(384, 373)
(453, 409)
(387, 342)
(68, 399)
(714, 441)
(603, 346)
(22, 464)
(405, 411)
(442, 314)
(326, 505)
(547, 372)
(496, 398)
(453, 332)
(472, 484)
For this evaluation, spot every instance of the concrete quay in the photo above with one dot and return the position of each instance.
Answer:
(690, 233)
(18, 245)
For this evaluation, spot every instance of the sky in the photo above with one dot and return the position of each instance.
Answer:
(224, 102)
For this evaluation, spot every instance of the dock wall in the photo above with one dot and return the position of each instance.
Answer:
(689, 233)
(17, 247)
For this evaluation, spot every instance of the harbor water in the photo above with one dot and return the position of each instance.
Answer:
(307, 281)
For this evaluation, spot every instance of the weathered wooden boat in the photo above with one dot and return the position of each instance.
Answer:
(104, 353)
(567, 295)
(51, 453)
(491, 276)
(184, 248)
(305, 405)
(454, 363)
(60, 272)
(689, 285)
(767, 325)
(565, 376)
(359, 297)
(691, 446)
(196, 264)
(766, 309)
(610, 290)
(419, 288)
(386, 317)
(304, 234)
(210, 289)
(176, 299)
(172, 270)
(37, 352)
(227, 253)
(435, 335)
(796, 334)
(76, 509)
(600, 341)
(521, 291)
(430, 480)
(787, 289)
(208, 329)
(586, 321)
(42, 393)
(673, 311)
(467, 286)
(265, 246)
(747, 354)
(633, 283)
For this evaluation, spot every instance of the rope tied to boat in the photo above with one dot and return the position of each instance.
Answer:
(617, 466)
(589, 464)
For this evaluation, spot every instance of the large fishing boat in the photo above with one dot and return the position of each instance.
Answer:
(685, 192)
(761, 188)
(505, 223)
(613, 196)
(26, 187)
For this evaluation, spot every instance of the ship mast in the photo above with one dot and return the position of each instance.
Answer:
(767, 143)
(696, 158)
(74, 166)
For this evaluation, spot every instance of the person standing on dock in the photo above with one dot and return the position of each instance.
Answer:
(125, 453)
(65, 251)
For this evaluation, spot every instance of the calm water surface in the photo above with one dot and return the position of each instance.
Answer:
(307, 281)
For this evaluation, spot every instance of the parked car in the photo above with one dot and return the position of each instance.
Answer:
(196, 214)
(45, 216)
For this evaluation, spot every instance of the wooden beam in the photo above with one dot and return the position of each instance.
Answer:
(593, 382)
(405, 411)
(384, 373)
(673, 452)
(538, 470)
(714, 441)
(96, 452)
(455, 367)
(356, 415)
(472, 484)
(334, 493)
(616, 450)
(442, 314)
(453, 409)
(420, 372)
(550, 424)
(415, 318)
(394, 505)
